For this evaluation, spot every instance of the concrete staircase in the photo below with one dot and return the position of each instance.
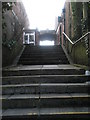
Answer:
(44, 92)
(41, 92)
(43, 55)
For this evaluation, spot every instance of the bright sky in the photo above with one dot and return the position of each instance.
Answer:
(42, 13)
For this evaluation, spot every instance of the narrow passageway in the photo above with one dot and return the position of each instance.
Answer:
(45, 58)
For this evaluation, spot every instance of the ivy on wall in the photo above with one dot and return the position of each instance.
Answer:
(77, 17)
(80, 22)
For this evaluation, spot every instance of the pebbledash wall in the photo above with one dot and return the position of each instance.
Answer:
(12, 41)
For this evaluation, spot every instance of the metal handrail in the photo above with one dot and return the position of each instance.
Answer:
(73, 43)
(68, 38)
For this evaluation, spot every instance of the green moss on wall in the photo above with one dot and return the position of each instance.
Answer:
(79, 54)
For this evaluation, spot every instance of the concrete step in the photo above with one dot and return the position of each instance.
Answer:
(20, 89)
(45, 100)
(43, 48)
(42, 62)
(43, 59)
(37, 55)
(55, 47)
(43, 54)
(71, 113)
(45, 79)
(42, 71)
(45, 88)
(20, 101)
(64, 88)
(64, 100)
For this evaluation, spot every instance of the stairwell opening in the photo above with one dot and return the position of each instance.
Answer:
(47, 43)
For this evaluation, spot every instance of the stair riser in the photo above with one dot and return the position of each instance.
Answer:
(63, 89)
(42, 52)
(61, 53)
(42, 58)
(46, 79)
(43, 48)
(64, 117)
(43, 55)
(20, 90)
(42, 62)
(43, 72)
(68, 102)
(42, 116)
(45, 103)
(45, 89)
(19, 103)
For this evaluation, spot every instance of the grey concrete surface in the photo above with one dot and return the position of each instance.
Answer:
(39, 67)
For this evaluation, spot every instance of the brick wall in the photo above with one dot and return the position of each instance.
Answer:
(12, 41)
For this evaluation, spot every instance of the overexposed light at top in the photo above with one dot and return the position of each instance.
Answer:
(42, 13)
(46, 43)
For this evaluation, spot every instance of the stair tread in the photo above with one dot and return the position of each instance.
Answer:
(46, 84)
(44, 79)
(47, 111)
(47, 96)
(33, 76)
(36, 67)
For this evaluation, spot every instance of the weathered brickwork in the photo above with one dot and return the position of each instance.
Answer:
(15, 20)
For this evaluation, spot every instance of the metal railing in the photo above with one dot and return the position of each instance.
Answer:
(71, 46)
(77, 41)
